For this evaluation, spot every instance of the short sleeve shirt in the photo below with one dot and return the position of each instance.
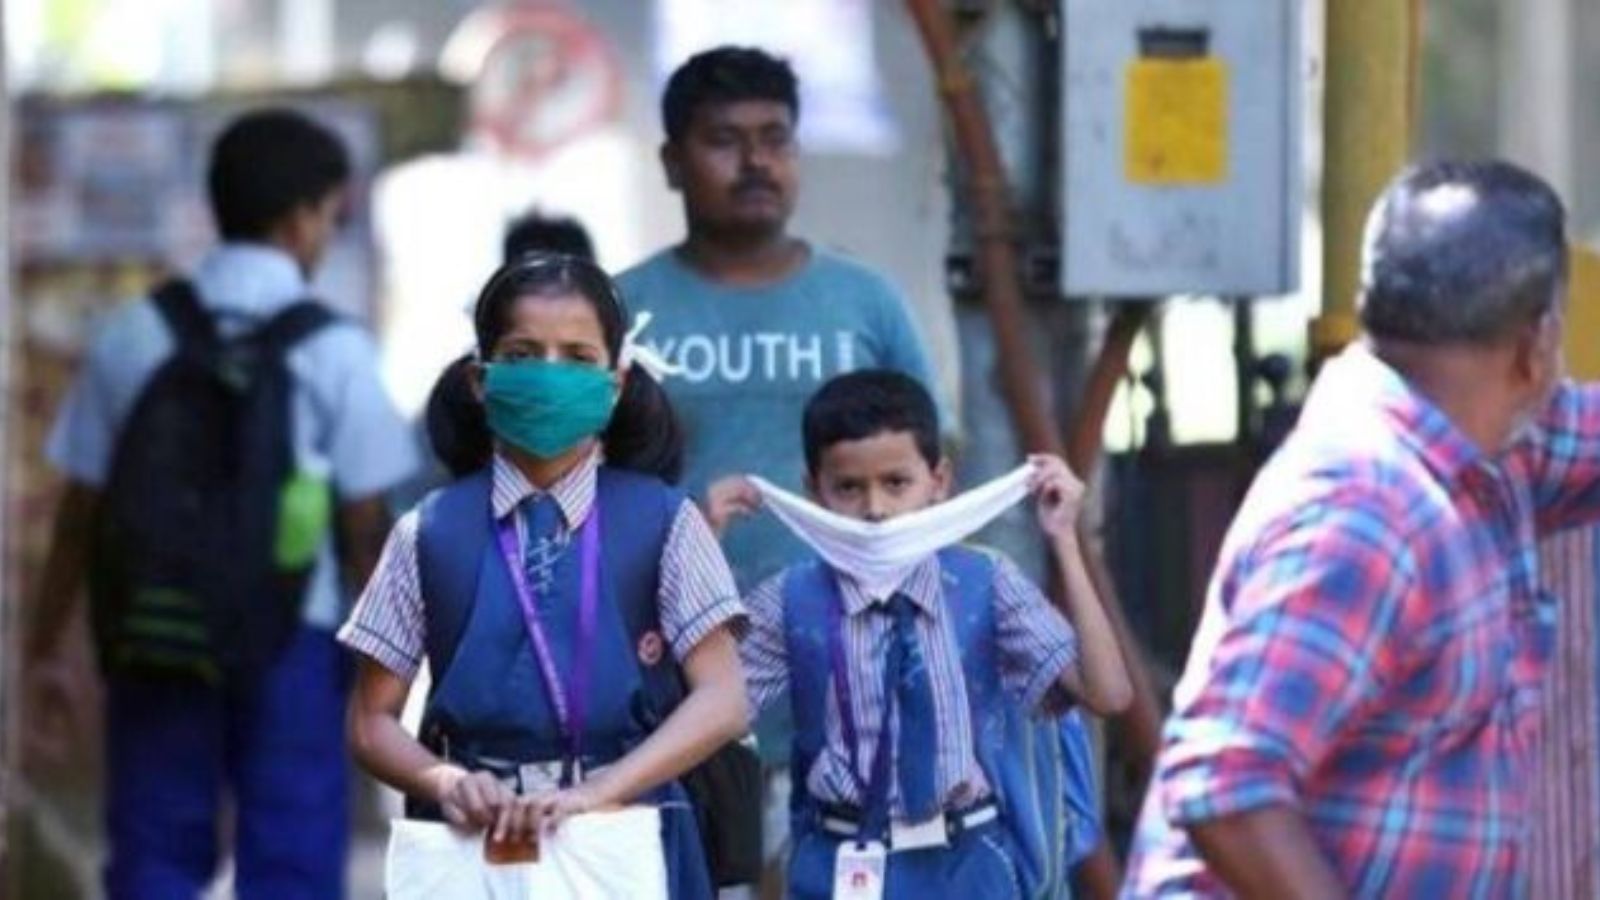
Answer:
(345, 426)
(751, 357)
(696, 593)
(1375, 643)
(1036, 646)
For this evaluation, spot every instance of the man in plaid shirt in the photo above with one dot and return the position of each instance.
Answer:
(1360, 708)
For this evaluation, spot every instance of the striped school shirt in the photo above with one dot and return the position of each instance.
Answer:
(1035, 647)
(696, 594)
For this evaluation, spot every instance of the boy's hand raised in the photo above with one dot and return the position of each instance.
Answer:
(728, 499)
(1060, 495)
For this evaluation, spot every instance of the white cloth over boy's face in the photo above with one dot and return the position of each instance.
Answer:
(879, 556)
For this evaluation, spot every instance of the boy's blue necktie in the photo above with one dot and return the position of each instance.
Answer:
(542, 545)
(907, 680)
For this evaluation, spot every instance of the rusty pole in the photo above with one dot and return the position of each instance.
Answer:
(1019, 372)
(1369, 107)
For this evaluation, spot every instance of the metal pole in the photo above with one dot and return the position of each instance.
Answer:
(10, 594)
(1368, 110)
(1536, 84)
(1019, 371)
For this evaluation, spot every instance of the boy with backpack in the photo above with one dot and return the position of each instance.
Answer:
(909, 663)
(227, 447)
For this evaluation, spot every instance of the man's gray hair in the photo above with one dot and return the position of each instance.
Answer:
(1462, 252)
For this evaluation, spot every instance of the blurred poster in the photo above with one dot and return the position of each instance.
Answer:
(98, 182)
(542, 76)
(107, 182)
(829, 43)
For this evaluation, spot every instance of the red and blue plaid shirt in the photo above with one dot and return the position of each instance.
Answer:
(1373, 645)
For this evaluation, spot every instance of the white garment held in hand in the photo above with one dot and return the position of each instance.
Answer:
(880, 555)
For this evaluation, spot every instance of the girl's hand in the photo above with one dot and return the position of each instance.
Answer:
(1060, 495)
(728, 499)
(472, 801)
(528, 819)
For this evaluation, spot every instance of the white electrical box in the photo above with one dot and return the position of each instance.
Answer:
(1182, 154)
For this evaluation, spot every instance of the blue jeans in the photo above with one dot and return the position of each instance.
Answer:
(275, 746)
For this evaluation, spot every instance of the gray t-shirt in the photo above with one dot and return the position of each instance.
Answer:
(752, 357)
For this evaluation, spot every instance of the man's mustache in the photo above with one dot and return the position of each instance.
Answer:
(755, 183)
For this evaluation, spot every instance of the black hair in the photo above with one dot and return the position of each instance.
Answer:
(534, 232)
(1462, 252)
(726, 75)
(457, 430)
(268, 163)
(866, 403)
(644, 434)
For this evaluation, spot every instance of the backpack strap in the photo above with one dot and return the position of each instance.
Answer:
(1079, 794)
(1021, 757)
(192, 327)
(807, 590)
(295, 323)
(646, 509)
(453, 533)
(968, 581)
(456, 530)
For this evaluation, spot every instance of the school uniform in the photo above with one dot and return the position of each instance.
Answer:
(509, 697)
(273, 741)
(908, 758)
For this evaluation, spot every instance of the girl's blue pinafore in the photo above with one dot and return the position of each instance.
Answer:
(489, 698)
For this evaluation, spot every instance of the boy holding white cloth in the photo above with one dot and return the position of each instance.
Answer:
(878, 646)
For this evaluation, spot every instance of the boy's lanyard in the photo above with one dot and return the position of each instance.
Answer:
(569, 708)
(874, 791)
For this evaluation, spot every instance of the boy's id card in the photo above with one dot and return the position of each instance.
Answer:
(859, 869)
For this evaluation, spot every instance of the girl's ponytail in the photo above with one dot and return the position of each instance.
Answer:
(458, 427)
(644, 434)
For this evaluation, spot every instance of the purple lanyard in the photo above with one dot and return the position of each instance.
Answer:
(874, 788)
(569, 709)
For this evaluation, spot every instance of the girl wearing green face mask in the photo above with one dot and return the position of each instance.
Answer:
(541, 577)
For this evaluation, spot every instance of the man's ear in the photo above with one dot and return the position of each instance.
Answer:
(293, 231)
(1536, 349)
(671, 165)
(1552, 334)
(943, 477)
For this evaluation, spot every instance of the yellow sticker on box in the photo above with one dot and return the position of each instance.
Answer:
(1176, 121)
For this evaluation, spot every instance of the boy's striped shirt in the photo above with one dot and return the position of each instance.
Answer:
(1035, 647)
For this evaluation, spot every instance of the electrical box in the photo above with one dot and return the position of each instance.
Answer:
(1181, 160)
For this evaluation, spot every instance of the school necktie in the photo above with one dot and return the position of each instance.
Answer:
(906, 675)
(542, 545)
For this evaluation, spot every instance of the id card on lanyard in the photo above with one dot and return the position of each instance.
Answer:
(860, 866)
(569, 707)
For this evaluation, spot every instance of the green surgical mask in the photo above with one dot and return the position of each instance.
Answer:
(547, 408)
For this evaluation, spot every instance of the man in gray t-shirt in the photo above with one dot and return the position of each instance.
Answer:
(757, 318)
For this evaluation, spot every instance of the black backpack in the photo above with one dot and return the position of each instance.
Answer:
(198, 569)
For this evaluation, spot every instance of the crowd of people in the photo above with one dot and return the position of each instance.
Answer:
(666, 503)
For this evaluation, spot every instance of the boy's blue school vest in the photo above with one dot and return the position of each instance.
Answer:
(489, 698)
(1041, 771)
